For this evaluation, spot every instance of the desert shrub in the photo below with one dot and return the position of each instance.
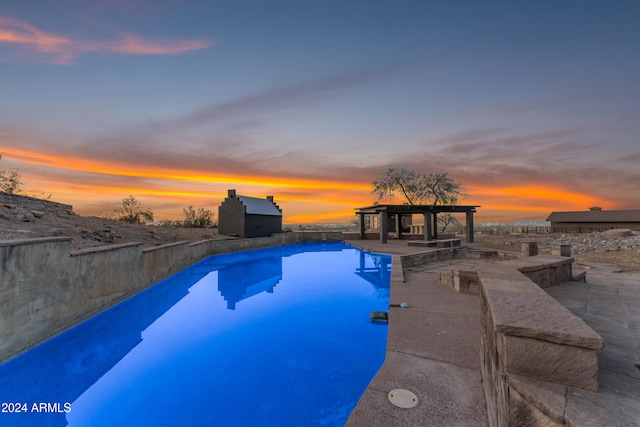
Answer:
(10, 180)
(131, 211)
(200, 218)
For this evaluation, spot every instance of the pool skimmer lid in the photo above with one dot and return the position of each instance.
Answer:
(403, 398)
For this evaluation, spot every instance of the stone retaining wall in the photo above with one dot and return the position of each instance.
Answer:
(45, 288)
(531, 345)
(527, 335)
(443, 254)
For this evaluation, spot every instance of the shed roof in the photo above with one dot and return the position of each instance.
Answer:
(596, 216)
(256, 206)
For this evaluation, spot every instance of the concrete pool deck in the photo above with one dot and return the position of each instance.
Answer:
(433, 349)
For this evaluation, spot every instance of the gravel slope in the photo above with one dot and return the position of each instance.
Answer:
(93, 231)
(621, 252)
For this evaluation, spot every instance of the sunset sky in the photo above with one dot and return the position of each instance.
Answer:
(534, 106)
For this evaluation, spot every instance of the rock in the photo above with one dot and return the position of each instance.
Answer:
(100, 236)
(3, 216)
(595, 242)
(37, 214)
(617, 232)
(22, 218)
(57, 232)
(27, 233)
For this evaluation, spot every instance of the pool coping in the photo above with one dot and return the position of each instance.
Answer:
(433, 350)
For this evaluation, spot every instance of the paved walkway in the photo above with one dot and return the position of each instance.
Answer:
(433, 350)
(609, 303)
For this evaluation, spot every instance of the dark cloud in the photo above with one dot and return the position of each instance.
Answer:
(225, 138)
(268, 102)
(545, 103)
(499, 157)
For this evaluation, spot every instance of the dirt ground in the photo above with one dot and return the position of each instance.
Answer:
(88, 232)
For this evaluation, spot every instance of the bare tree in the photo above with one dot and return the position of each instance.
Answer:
(398, 180)
(447, 220)
(417, 189)
(440, 189)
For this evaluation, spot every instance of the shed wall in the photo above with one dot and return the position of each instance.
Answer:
(231, 215)
(262, 225)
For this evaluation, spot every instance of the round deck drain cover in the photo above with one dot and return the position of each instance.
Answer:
(403, 398)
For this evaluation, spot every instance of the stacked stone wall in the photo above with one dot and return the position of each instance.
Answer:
(532, 348)
(530, 340)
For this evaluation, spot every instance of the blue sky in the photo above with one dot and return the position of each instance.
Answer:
(533, 106)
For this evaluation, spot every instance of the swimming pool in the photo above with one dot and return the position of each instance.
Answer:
(277, 336)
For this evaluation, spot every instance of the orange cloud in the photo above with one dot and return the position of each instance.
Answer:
(97, 185)
(18, 32)
(339, 216)
(529, 201)
(111, 168)
(62, 50)
(31, 39)
(94, 186)
(534, 197)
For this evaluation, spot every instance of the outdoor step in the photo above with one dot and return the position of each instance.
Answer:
(444, 243)
(579, 276)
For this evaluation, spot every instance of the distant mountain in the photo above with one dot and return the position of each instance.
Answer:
(530, 223)
(518, 223)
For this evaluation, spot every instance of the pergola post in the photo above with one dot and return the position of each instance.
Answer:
(435, 226)
(362, 229)
(398, 226)
(427, 226)
(470, 232)
(383, 226)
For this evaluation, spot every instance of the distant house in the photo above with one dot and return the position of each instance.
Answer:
(595, 219)
(244, 216)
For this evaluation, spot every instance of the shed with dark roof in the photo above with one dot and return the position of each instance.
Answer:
(595, 219)
(244, 216)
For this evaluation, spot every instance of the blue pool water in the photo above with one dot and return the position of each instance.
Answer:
(270, 337)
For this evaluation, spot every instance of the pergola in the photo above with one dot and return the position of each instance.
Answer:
(429, 212)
